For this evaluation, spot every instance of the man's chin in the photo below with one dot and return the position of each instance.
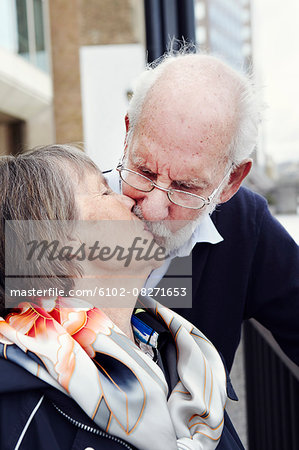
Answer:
(172, 241)
(168, 233)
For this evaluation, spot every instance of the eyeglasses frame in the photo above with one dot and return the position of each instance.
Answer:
(207, 201)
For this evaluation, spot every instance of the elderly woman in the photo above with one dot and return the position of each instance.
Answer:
(97, 374)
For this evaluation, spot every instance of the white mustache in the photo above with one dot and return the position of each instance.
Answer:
(164, 236)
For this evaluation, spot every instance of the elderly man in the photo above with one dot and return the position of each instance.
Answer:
(191, 127)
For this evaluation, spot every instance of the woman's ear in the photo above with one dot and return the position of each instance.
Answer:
(236, 177)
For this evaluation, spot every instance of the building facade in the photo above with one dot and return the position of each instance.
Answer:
(25, 82)
(41, 47)
(223, 27)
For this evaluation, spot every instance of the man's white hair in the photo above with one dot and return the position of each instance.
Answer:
(248, 102)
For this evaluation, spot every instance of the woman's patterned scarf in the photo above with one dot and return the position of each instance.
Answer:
(83, 354)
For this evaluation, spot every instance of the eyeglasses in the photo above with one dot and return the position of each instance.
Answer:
(181, 198)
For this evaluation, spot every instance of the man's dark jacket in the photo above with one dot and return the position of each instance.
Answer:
(252, 273)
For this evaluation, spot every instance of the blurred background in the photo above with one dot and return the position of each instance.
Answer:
(67, 70)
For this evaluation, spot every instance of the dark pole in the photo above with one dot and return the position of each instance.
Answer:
(153, 28)
(186, 20)
(165, 20)
(169, 22)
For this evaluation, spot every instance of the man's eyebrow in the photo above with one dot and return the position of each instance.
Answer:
(140, 163)
(144, 167)
(193, 183)
(137, 160)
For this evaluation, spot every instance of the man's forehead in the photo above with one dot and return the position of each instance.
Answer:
(187, 175)
(201, 137)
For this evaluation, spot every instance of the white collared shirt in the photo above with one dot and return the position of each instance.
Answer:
(204, 232)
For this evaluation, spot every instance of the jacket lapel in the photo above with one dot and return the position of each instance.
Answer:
(200, 255)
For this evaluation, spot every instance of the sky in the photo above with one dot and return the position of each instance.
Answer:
(276, 60)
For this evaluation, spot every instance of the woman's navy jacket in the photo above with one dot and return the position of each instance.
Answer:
(36, 416)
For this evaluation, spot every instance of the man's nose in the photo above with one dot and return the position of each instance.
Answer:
(154, 205)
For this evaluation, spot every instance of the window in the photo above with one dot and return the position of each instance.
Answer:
(40, 47)
(22, 30)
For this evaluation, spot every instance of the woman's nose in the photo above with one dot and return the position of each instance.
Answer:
(127, 201)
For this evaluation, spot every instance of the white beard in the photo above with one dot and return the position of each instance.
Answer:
(164, 236)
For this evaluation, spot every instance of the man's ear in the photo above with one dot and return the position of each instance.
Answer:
(127, 131)
(236, 177)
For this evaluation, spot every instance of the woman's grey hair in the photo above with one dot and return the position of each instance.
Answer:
(39, 186)
(248, 101)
